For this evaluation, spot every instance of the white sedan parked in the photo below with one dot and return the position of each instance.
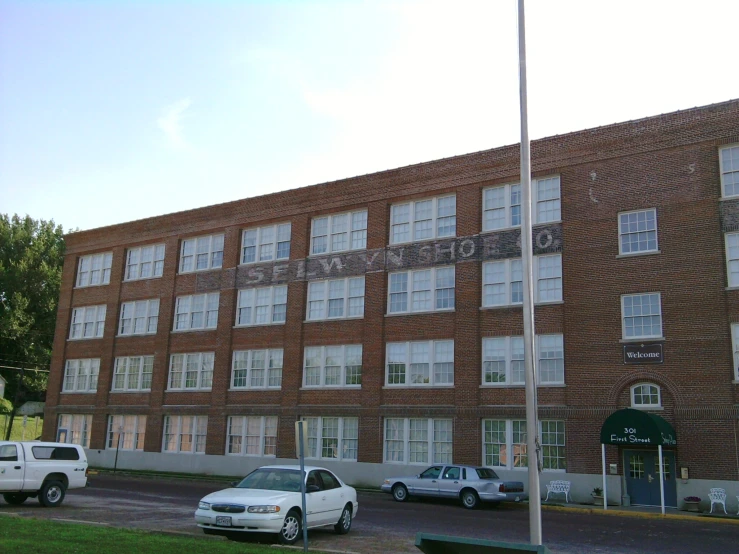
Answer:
(268, 501)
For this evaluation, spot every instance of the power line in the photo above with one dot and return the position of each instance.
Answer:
(25, 368)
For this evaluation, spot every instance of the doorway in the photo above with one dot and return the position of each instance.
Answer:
(642, 477)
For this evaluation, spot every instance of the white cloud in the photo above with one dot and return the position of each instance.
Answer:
(171, 122)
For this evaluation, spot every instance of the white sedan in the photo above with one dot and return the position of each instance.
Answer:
(268, 501)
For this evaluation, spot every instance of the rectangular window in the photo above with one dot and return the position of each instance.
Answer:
(332, 438)
(423, 219)
(735, 346)
(201, 253)
(553, 445)
(262, 306)
(336, 298)
(145, 262)
(133, 373)
(252, 436)
(418, 441)
(257, 369)
(81, 375)
(87, 322)
(503, 360)
(502, 204)
(94, 270)
(191, 371)
(199, 311)
(732, 258)
(729, 162)
(422, 290)
(337, 233)
(504, 444)
(126, 432)
(265, 244)
(502, 281)
(426, 363)
(139, 318)
(185, 434)
(641, 316)
(637, 231)
(333, 366)
(75, 429)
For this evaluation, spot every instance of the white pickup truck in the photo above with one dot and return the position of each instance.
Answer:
(40, 469)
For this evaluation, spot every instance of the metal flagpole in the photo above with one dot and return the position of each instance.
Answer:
(532, 427)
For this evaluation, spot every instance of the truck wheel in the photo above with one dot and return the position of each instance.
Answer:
(15, 498)
(51, 494)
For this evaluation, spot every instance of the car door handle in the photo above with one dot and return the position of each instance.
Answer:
(17, 467)
(433, 480)
(456, 482)
(323, 498)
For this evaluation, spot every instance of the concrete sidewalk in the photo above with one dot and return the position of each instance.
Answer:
(654, 512)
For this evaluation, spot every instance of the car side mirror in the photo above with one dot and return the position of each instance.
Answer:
(312, 488)
(234, 484)
(418, 476)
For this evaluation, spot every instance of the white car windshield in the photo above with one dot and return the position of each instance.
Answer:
(272, 480)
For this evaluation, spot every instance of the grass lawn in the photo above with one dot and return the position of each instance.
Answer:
(40, 536)
(32, 431)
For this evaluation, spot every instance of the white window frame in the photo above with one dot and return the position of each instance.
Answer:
(147, 259)
(88, 322)
(645, 406)
(540, 279)
(408, 357)
(319, 302)
(197, 429)
(735, 348)
(204, 374)
(344, 351)
(145, 312)
(727, 168)
(508, 344)
(407, 294)
(317, 443)
(441, 454)
(132, 436)
(86, 270)
(243, 361)
(731, 244)
(267, 238)
(267, 436)
(247, 307)
(516, 452)
(77, 429)
(538, 204)
(356, 232)
(209, 317)
(130, 369)
(82, 368)
(624, 233)
(398, 220)
(189, 258)
(624, 316)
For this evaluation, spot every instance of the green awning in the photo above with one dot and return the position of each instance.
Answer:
(630, 427)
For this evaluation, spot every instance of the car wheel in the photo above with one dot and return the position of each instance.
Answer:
(51, 494)
(15, 498)
(400, 493)
(469, 499)
(291, 527)
(345, 521)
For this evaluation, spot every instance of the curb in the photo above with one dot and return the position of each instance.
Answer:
(644, 515)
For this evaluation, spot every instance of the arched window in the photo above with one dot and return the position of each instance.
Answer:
(646, 395)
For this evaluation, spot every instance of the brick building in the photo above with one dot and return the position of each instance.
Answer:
(385, 309)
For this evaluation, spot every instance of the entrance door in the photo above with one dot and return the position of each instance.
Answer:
(642, 477)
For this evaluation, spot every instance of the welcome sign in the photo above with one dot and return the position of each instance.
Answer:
(643, 354)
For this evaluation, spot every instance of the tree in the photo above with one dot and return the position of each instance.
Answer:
(31, 259)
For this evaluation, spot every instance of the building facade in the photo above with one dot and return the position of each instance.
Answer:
(386, 310)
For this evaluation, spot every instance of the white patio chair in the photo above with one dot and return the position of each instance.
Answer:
(737, 502)
(717, 496)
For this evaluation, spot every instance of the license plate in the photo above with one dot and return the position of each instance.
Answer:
(223, 521)
(517, 499)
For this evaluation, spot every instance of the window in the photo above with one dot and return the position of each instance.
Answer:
(133, 373)
(201, 253)
(130, 428)
(418, 441)
(81, 375)
(55, 453)
(145, 262)
(641, 315)
(87, 322)
(265, 244)
(504, 444)
(257, 369)
(337, 233)
(502, 281)
(637, 232)
(185, 434)
(333, 366)
(732, 257)
(553, 445)
(74, 429)
(334, 438)
(735, 345)
(421, 291)
(199, 311)
(252, 435)
(423, 219)
(645, 395)
(139, 318)
(191, 371)
(336, 298)
(94, 270)
(503, 360)
(420, 363)
(262, 306)
(502, 204)
(729, 161)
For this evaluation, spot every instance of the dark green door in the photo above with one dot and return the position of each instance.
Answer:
(642, 477)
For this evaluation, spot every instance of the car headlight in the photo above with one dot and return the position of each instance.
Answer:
(386, 482)
(263, 509)
(203, 505)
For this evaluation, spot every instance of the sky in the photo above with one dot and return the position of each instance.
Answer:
(112, 111)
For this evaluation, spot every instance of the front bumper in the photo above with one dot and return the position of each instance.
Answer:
(386, 488)
(503, 496)
(243, 522)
